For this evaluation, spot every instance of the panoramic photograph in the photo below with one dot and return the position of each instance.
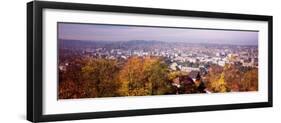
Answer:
(107, 60)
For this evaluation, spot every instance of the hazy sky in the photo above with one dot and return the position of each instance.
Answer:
(126, 33)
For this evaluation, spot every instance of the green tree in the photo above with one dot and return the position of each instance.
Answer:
(99, 78)
(157, 74)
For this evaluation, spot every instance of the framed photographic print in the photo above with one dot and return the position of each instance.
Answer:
(95, 61)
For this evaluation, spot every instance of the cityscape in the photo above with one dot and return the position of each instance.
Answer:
(110, 64)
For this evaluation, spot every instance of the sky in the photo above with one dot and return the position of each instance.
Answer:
(98, 32)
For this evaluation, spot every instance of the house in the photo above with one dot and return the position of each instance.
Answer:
(185, 84)
(193, 74)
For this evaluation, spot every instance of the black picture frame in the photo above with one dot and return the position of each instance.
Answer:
(34, 60)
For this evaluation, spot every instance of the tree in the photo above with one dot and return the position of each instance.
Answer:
(70, 80)
(213, 76)
(240, 78)
(233, 76)
(157, 73)
(144, 76)
(219, 85)
(216, 79)
(99, 78)
(173, 74)
(131, 78)
(68, 90)
(250, 81)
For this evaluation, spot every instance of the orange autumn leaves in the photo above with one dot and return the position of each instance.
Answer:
(144, 76)
(141, 76)
(106, 78)
(232, 78)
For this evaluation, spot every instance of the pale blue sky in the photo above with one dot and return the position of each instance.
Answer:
(94, 32)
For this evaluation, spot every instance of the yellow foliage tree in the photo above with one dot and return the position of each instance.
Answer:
(143, 76)
(173, 74)
(131, 78)
(219, 85)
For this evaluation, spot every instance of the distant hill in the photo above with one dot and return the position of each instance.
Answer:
(110, 44)
(132, 44)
